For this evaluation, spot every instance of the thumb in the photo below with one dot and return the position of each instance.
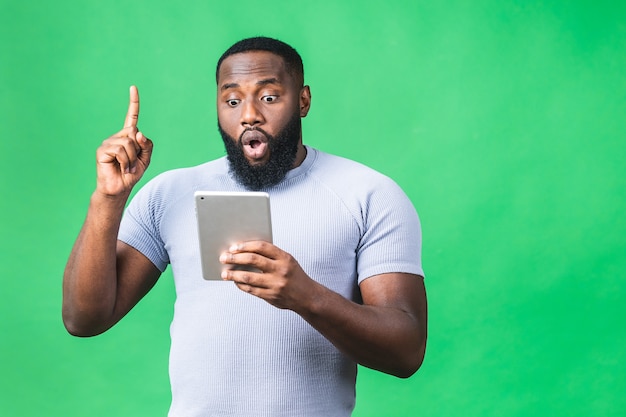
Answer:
(146, 146)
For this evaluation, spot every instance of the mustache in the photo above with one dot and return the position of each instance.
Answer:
(255, 129)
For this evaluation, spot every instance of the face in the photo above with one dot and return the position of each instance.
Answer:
(259, 108)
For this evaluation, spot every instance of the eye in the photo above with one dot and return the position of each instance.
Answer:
(232, 102)
(269, 99)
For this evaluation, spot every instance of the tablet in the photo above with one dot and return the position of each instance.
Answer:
(225, 218)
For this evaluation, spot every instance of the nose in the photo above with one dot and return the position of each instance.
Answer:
(251, 114)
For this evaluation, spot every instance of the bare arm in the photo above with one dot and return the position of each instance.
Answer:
(105, 278)
(387, 332)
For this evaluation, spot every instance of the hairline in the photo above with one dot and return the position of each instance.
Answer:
(291, 59)
(294, 74)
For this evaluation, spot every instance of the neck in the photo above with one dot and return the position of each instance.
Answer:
(300, 155)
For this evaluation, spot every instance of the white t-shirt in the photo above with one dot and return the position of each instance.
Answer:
(233, 354)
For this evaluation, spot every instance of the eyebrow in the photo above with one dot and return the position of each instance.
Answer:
(266, 81)
(269, 81)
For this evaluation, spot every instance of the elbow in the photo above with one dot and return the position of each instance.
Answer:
(79, 331)
(77, 327)
(410, 367)
(412, 361)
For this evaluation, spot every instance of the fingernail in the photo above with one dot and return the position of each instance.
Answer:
(234, 247)
(223, 259)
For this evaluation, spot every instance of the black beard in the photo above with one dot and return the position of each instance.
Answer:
(283, 149)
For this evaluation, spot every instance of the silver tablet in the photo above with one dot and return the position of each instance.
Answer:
(225, 218)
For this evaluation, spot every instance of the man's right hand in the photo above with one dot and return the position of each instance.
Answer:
(123, 158)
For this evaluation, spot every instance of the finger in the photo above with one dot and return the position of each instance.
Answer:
(118, 155)
(244, 258)
(132, 116)
(144, 152)
(144, 143)
(260, 247)
(123, 150)
(245, 278)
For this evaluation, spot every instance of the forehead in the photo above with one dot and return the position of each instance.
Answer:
(252, 65)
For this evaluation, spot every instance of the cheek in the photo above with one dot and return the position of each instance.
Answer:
(282, 118)
(228, 134)
(228, 120)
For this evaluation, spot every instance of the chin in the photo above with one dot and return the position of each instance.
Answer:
(257, 162)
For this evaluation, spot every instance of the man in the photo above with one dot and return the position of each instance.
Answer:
(342, 284)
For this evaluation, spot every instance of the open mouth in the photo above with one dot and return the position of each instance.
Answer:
(255, 145)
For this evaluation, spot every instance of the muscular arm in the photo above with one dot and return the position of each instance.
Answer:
(105, 278)
(387, 332)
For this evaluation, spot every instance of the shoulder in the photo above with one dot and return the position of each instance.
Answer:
(349, 177)
(325, 160)
(367, 194)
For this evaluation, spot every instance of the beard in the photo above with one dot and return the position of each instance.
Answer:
(283, 149)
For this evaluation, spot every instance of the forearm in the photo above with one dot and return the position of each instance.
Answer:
(387, 332)
(387, 339)
(90, 278)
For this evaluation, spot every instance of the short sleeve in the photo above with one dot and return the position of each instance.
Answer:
(140, 227)
(392, 236)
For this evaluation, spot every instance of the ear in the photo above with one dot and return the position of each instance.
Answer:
(305, 100)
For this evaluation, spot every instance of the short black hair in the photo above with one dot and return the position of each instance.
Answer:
(291, 57)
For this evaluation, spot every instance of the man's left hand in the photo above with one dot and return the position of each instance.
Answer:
(281, 282)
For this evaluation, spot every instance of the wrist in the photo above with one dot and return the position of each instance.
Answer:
(108, 201)
(315, 303)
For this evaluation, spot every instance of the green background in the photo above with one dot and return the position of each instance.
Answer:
(502, 120)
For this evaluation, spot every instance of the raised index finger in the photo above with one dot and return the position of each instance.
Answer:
(133, 108)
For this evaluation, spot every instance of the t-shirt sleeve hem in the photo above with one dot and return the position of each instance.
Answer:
(142, 246)
(399, 268)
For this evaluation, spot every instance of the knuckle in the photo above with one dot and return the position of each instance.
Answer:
(292, 262)
(282, 270)
(108, 142)
(127, 139)
(281, 285)
(116, 142)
